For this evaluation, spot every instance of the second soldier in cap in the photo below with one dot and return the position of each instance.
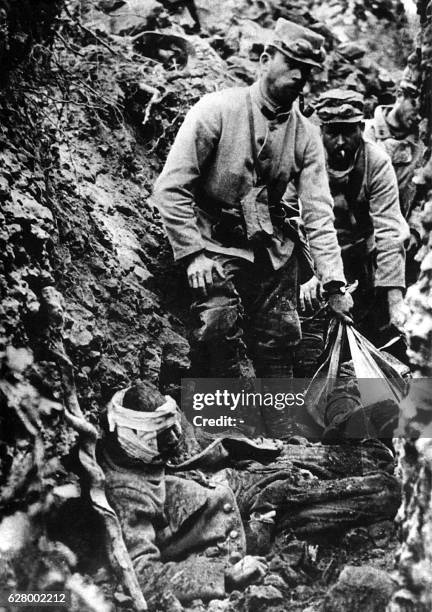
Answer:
(370, 227)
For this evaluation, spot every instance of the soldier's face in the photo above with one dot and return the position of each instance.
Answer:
(168, 441)
(283, 77)
(341, 141)
(407, 111)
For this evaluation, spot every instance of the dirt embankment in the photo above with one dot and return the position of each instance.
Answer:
(86, 120)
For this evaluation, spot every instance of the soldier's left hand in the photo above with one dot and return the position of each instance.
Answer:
(398, 315)
(247, 570)
(414, 243)
(340, 305)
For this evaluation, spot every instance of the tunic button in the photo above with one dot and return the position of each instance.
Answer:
(227, 508)
(234, 534)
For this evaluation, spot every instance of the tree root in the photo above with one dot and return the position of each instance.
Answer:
(95, 484)
(119, 557)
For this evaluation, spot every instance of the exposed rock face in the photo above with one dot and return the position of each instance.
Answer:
(85, 123)
(263, 597)
(126, 17)
(360, 589)
(22, 24)
(80, 245)
(239, 30)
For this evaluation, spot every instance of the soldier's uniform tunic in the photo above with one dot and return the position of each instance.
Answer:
(371, 232)
(209, 170)
(406, 154)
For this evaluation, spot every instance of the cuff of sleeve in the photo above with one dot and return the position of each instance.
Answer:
(185, 252)
(186, 259)
(390, 279)
(333, 286)
(334, 275)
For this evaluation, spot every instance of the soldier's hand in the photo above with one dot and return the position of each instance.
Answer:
(397, 308)
(340, 305)
(247, 570)
(414, 243)
(310, 294)
(200, 272)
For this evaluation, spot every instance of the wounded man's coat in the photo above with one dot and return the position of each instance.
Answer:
(180, 534)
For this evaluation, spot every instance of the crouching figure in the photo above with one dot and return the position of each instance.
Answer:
(182, 535)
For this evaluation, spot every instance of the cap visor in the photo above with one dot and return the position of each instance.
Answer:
(338, 120)
(300, 60)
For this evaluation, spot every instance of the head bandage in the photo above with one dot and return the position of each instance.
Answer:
(137, 431)
(151, 422)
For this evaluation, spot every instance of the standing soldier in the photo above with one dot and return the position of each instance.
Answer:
(395, 129)
(219, 195)
(370, 227)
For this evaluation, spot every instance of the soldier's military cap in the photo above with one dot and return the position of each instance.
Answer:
(298, 43)
(340, 106)
(411, 79)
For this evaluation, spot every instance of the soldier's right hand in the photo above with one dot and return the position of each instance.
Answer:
(310, 296)
(340, 305)
(200, 272)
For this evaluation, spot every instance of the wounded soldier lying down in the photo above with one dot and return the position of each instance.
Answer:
(180, 534)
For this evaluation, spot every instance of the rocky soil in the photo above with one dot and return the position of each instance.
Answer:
(88, 108)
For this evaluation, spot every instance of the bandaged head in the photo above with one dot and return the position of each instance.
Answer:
(144, 435)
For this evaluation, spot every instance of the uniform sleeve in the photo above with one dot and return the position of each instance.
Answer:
(317, 212)
(390, 228)
(174, 191)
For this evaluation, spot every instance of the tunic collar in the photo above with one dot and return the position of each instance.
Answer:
(267, 106)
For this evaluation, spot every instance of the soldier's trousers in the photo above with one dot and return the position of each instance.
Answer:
(248, 324)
